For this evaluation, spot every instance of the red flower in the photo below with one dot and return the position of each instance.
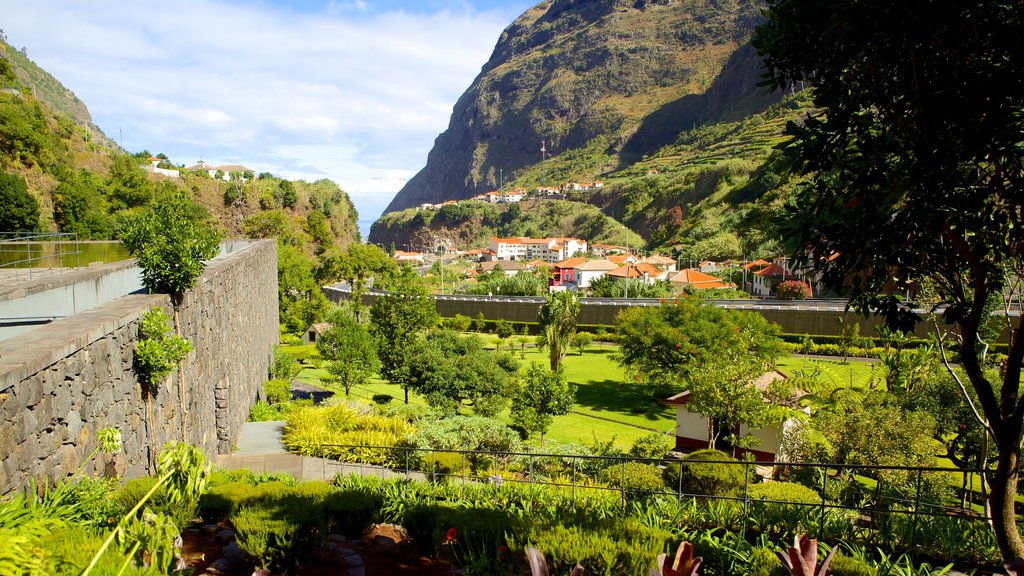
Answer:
(451, 534)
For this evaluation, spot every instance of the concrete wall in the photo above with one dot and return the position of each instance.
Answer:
(62, 382)
(27, 304)
(811, 319)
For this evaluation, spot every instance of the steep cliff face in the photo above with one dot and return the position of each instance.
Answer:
(628, 75)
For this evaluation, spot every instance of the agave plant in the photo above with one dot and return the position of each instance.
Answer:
(802, 558)
(539, 566)
(684, 564)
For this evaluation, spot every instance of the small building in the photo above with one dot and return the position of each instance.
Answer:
(313, 333)
(766, 279)
(692, 427)
(410, 257)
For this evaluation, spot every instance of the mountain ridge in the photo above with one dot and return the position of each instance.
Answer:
(570, 72)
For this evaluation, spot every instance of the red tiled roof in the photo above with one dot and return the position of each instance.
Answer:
(697, 279)
(772, 270)
(756, 264)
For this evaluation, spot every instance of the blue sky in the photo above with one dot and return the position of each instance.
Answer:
(351, 90)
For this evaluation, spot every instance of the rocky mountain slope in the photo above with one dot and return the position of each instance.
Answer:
(603, 81)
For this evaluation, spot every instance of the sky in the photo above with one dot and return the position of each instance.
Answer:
(351, 90)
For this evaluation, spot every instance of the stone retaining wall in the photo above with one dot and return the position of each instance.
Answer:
(62, 382)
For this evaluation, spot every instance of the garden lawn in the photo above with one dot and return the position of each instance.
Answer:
(607, 406)
(857, 372)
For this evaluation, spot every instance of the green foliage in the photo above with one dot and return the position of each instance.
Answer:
(653, 445)
(351, 351)
(311, 429)
(458, 323)
(694, 475)
(80, 207)
(542, 395)
(158, 351)
(475, 433)
(558, 324)
(300, 298)
(284, 365)
(608, 548)
(171, 247)
(503, 329)
(449, 369)
(396, 320)
(277, 391)
(581, 341)
(21, 209)
(665, 344)
(25, 136)
(636, 478)
(287, 193)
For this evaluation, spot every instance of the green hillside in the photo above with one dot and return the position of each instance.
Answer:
(83, 183)
(470, 224)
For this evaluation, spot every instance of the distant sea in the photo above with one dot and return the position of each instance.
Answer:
(364, 229)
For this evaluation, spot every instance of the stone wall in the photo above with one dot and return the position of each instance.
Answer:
(62, 382)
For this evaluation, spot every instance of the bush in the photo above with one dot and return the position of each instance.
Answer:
(459, 323)
(783, 508)
(284, 365)
(653, 445)
(263, 412)
(693, 476)
(843, 565)
(620, 547)
(277, 391)
(634, 477)
(382, 399)
(792, 290)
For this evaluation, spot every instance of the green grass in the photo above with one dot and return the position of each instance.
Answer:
(607, 405)
(857, 372)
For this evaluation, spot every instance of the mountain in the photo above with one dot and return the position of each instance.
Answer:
(618, 79)
(84, 183)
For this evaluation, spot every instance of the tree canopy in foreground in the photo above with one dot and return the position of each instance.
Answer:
(915, 163)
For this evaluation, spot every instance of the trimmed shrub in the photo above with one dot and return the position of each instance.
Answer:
(634, 477)
(382, 399)
(692, 475)
(783, 508)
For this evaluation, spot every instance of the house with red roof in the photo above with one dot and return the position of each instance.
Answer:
(696, 279)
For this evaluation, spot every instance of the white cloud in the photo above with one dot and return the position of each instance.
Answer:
(345, 91)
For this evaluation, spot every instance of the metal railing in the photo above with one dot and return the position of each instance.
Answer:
(873, 513)
(27, 252)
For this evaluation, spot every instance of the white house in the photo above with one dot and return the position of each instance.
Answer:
(226, 170)
(546, 249)
(692, 427)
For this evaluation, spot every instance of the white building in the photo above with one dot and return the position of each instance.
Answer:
(546, 249)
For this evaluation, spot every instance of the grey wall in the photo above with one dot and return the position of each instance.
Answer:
(62, 382)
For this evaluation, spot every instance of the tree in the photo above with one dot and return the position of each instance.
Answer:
(357, 264)
(396, 320)
(581, 341)
(542, 395)
(172, 249)
(722, 390)
(503, 330)
(665, 345)
(286, 189)
(449, 370)
(915, 164)
(20, 208)
(351, 351)
(558, 324)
